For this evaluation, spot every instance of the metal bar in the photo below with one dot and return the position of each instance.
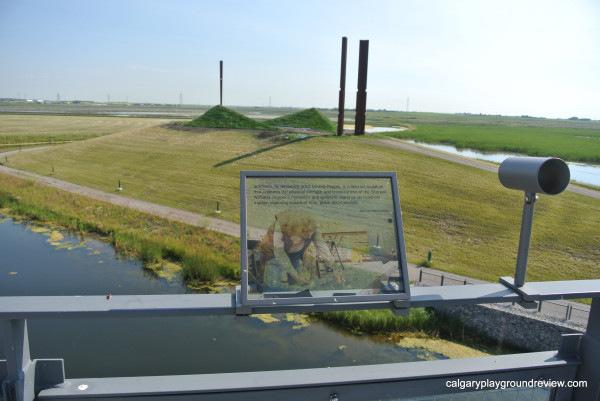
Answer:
(221, 82)
(342, 96)
(570, 312)
(224, 304)
(420, 275)
(548, 290)
(442, 281)
(350, 383)
(361, 94)
(590, 355)
(524, 239)
(20, 380)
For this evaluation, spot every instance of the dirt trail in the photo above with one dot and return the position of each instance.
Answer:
(223, 226)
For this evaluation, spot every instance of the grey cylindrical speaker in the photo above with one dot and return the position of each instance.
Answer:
(546, 175)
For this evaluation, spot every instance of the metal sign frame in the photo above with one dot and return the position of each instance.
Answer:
(399, 297)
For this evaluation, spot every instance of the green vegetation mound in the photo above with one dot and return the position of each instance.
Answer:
(309, 118)
(222, 117)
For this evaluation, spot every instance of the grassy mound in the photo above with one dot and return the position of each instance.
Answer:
(222, 117)
(309, 118)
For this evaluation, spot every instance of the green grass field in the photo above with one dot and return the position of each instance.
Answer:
(223, 117)
(469, 220)
(571, 144)
(26, 129)
(309, 118)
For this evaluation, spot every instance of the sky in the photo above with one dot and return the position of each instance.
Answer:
(511, 57)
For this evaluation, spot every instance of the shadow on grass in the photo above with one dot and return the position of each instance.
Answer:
(256, 152)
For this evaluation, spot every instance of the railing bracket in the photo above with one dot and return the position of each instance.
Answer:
(528, 296)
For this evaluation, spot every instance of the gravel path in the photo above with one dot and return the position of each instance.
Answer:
(223, 226)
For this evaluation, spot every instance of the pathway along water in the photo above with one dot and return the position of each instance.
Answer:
(581, 172)
(45, 261)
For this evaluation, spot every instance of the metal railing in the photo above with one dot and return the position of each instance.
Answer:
(25, 379)
(513, 394)
(564, 310)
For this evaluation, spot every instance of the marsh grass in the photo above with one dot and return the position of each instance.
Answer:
(380, 321)
(420, 320)
(149, 238)
(571, 144)
(207, 267)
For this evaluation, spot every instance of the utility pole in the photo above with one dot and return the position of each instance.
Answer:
(340, 127)
(361, 95)
(221, 67)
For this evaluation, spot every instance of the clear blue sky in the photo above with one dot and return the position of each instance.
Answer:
(511, 57)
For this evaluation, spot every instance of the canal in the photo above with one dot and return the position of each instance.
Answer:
(39, 260)
(581, 172)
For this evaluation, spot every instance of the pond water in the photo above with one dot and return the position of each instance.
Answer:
(374, 130)
(581, 172)
(45, 261)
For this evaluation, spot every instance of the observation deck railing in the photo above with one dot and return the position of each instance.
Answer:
(44, 379)
(560, 309)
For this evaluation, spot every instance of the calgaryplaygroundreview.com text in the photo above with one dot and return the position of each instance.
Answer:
(507, 384)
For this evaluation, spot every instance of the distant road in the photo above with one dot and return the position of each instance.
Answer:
(470, 162)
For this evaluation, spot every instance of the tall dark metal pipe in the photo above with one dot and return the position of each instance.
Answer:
(361, 95)
(221, 65)
(340, 128)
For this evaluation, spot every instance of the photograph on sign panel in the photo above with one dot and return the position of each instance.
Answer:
(336, 235)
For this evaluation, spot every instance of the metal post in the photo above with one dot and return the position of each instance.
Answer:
(221, 68)
(340, 128)
(442, 281)
(361, 95)
(525, 239)
(589, 370)
(421, 276)
(19, 384)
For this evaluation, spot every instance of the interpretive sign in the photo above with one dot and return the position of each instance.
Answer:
(321, 237)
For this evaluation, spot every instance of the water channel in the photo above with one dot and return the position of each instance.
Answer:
(581, 172)
(37, 260)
